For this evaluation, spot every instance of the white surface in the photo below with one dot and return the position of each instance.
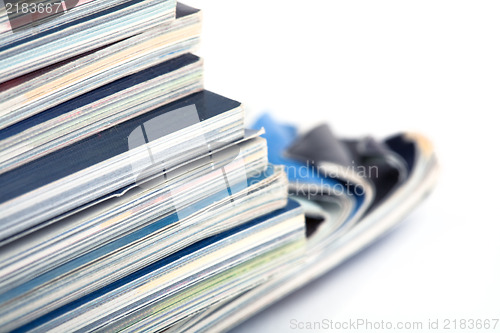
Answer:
(378, 67)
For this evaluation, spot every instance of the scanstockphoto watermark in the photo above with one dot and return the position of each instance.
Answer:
(311, 169)
(155, 148)
(329, 179)
(358, 324)
(310, 181)
(370, 325)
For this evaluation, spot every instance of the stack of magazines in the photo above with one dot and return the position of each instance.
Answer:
(134, 200)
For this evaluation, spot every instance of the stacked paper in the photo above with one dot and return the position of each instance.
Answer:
(135, 200)
(126, 185)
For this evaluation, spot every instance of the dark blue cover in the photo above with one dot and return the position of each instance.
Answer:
(99, 147)
(100, 93)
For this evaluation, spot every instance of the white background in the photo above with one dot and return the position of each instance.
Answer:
(379, 67)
